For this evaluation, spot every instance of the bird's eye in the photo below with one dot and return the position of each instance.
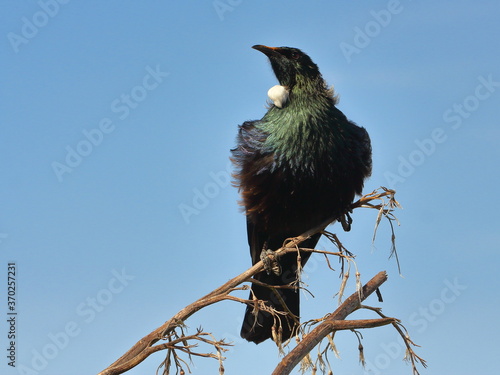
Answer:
(295, 55)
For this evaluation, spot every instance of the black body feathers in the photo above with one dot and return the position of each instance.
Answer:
(296, 167)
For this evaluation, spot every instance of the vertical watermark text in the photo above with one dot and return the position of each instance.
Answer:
(12, 314)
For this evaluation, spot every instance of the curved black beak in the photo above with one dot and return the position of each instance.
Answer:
(266, 50)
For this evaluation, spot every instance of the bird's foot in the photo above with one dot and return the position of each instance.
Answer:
(346, 221)
(270, 261)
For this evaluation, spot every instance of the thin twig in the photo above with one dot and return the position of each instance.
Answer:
(410, 353)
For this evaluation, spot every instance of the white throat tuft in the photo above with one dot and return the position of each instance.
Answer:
(279, 95)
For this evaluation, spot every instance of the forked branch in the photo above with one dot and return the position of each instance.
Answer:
(334, 322)
(383, 201)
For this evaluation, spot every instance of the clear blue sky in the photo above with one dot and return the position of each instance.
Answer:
(116, 122)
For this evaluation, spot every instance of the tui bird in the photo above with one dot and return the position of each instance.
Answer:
(301, 164)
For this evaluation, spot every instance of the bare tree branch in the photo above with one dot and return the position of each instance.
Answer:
(383, 201)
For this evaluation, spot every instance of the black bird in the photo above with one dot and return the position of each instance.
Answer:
(301, 164)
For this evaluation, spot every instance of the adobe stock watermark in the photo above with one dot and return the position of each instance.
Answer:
(121, 107)
(454, 118)
(224, 6)
(363, 36)
(86, 312)
(421, 320)
(30, 26)
(202, 196)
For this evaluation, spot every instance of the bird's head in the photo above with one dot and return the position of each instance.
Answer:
(290, 65)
